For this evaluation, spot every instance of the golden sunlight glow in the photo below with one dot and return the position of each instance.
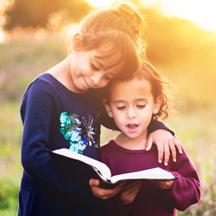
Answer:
(2, 36)
(5, 3)
(201, 12)
(100, 3)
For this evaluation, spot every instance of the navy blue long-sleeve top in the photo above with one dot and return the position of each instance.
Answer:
(54, 117)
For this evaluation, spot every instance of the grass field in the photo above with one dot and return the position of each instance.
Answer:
(21, 61)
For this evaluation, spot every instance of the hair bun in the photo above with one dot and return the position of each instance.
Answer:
(131, 17)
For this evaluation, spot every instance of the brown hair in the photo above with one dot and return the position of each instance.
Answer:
(160, 86)
(121, 26)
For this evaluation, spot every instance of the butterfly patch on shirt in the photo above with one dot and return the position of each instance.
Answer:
(80, 131)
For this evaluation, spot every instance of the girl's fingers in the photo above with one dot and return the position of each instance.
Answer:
(163, 185)
(166, 154)
(134, 189)
(94, 182)
(127, 196)
(173, 150)
(101, 192)
(160, 149)
(177, 144)
(173, 144)
(130, 186)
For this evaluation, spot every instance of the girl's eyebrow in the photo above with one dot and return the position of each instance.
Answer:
(118, 101)
(98, 62)
(142, 99)
(123, 101)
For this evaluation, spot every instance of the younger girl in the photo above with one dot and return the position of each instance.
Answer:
(133, 104)
(60, 109)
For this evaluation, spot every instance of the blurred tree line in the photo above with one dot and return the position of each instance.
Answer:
(169, 39)
(173, 39)
(35, 13)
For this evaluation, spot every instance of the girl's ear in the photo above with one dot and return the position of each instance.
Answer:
(108, 108)
(157, 104)
(77, 38)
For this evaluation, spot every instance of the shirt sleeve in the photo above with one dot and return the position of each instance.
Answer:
(37, 108)
(156, 125)
(186, 189)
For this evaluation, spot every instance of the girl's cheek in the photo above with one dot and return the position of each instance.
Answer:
(105, 83)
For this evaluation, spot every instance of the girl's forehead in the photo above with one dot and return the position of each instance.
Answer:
(132, 87)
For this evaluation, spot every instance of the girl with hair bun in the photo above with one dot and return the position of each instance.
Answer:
(62, 108)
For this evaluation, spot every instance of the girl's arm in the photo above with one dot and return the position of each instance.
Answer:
(185, 190)
(38, 111)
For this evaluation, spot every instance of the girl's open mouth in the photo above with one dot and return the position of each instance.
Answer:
(132, 126)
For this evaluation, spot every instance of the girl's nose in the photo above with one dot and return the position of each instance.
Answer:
(131, 113)
(96, 78)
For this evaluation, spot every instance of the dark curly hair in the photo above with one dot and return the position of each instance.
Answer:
(160, 86)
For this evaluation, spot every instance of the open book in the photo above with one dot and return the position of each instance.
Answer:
(104, 172)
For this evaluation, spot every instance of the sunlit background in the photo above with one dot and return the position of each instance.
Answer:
(200, 12)
(181, 43)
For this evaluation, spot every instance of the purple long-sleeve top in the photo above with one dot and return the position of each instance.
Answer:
(151, 200)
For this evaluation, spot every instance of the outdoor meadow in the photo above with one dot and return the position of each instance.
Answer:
(181, 51)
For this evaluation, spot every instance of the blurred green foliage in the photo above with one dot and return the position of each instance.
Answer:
(8, 197)
(10, 167)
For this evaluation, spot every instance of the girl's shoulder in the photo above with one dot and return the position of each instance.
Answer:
(41, 79)
(46, 78)
(42, 84)
(46, 83)
(108, 145)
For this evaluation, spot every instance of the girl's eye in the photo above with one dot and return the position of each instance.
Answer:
(141, 106)
(108, 78)
(121, 107)
(94, 67)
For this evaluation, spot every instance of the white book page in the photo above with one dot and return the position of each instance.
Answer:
(102, 169)
(150, 174)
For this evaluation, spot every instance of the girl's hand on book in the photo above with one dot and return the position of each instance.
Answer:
(129, 192)
(166, 143)
(163, 185)
(102, 193)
